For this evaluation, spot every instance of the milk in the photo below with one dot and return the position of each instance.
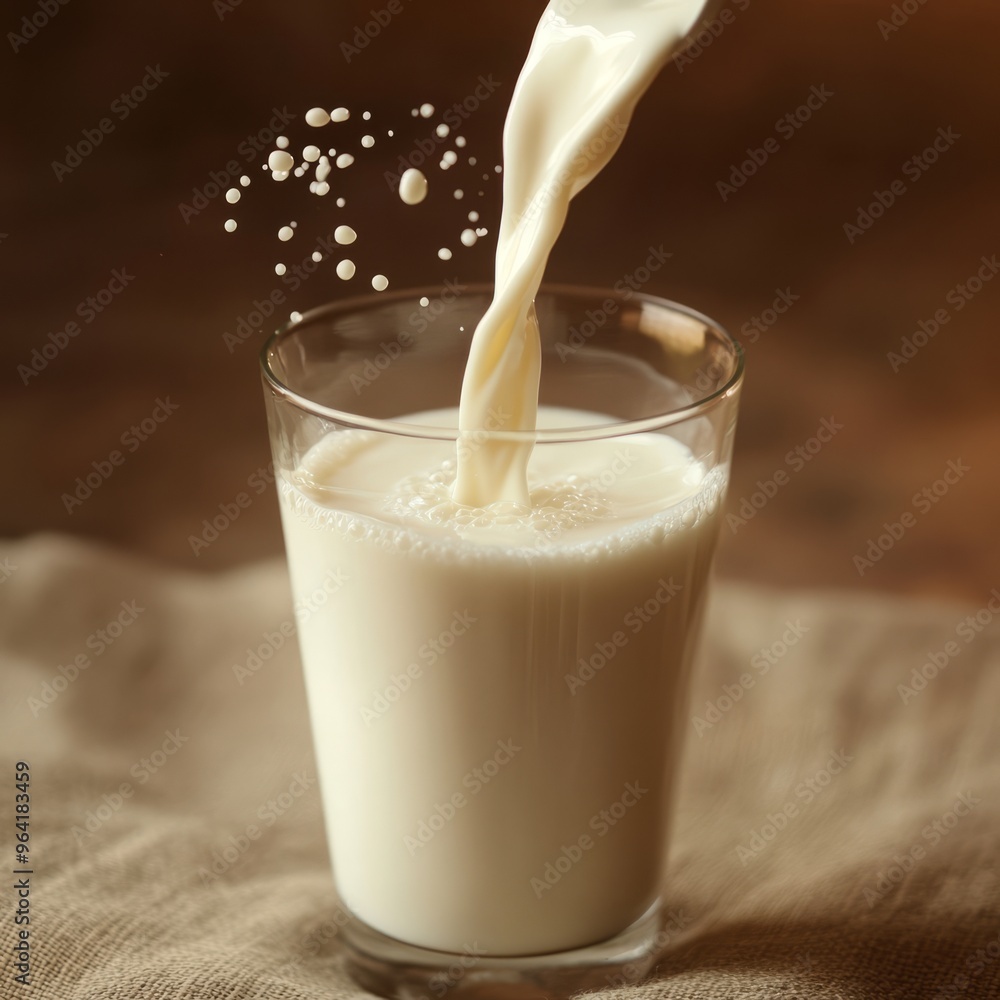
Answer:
(590, 61)
(496, 693)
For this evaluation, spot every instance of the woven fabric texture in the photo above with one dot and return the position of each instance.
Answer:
(836, 833)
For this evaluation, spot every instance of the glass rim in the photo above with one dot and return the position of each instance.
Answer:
(590, 432)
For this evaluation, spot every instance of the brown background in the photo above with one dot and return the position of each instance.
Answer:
(825, 358)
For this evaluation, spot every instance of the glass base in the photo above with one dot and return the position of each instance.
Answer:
(399, 971)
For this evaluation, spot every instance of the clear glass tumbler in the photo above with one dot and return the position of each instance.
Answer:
(497, 695)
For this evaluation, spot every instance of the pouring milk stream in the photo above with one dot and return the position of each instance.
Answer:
(589, 63)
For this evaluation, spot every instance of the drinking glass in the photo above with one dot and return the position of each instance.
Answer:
(498, 701)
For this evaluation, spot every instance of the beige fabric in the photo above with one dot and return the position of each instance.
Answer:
(130, 907)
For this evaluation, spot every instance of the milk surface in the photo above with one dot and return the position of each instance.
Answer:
(497, 692)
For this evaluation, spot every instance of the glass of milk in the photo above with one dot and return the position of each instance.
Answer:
(497, 694)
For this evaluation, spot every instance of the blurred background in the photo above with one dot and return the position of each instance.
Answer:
(174, 91)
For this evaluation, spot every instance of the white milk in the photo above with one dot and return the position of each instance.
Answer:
(496, 744)
(590, 61)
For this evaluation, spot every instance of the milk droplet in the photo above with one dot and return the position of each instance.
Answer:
(380, 282)
(473, 216)
(331, 152)
(245, 181)
(279, 269)
(472, 161)
(317, 256)
(482, 232)
(345, 270)
(460, 141)
(469, 237)
(459, 193)
(279, 175)
(344, 160)
(311, 154)
(341, 202)
(317, 117)
(322, 188)
(444, 164)
(285, 233)
(390, 133)
(294, 225)
(498, 169)
(323, 169)
(340, 115)
(444, 253)
(233, 195)
(295, 316)
(450, 157)
(424, 301)
(412, 186)
(426, 110)
(442, 130)
(230, 225)
(280, 160)
(344, 235)
(368, 141)
(299, 171)
(414, 112)
(281, 142)
(367, 115)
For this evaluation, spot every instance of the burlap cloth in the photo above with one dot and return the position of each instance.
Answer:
(836, 836)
